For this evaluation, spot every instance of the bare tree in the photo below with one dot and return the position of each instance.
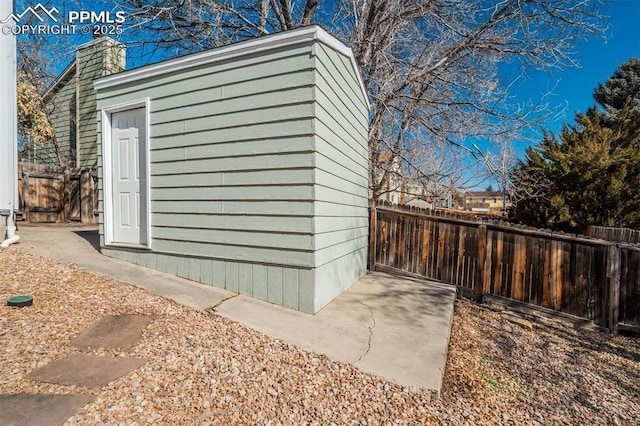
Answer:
(434, 66)
(436, 71)
(37, 68)
(179, 26)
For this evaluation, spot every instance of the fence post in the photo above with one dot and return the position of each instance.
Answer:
(480, 268)
(373, 231)
(25, 195)
(86, 196)
(613, 275)
(65, 195)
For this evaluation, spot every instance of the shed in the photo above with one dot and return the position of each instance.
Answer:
(244, 167)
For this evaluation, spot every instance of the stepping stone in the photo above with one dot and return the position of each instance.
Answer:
(115, 331)
(39, 409)
(85, 370)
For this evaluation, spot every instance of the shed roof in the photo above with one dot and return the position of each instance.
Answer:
(259, 44)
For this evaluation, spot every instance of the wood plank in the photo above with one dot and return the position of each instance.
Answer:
(373, 232)
(435, 242)
(554, 275)
(420, 247)
(481, 261)
(547, 298)
(497, 277)
(458, 278)
(393, 225)
(508, 265)
(633, 295)
(441, 233)
(581, 291)
(518, 268)
(425, 248)
(566, 279)
(489, 263)
(406, 243)
(624, 279)
(613, 275)
(598, 283)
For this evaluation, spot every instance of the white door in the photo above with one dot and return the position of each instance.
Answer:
(128, 175)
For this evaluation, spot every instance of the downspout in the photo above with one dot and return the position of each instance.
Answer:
(11, 232)
(8, 127)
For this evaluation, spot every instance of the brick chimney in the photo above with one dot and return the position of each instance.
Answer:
(100, 57)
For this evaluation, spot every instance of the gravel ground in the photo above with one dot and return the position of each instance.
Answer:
(204, 369)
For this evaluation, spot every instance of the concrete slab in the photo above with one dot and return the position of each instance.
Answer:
(85, 370)
(397, 328)
(39, 409)
(114, 331)
(393, 327)
(81, 244)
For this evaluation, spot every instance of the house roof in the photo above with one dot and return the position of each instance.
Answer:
(259, 44)
(60, 79)
(71, 68)
(483, 194)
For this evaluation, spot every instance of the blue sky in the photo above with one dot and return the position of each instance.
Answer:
(572, 87)
(599, 59)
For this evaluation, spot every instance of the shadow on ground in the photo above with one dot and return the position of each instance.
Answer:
(91, 236)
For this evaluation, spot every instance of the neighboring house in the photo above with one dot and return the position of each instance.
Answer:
(71, 104)
(244, 167)
(400, 190)
(391, 178)
(416, 195)
(485, 202)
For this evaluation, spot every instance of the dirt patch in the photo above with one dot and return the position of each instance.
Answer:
(39, 410)
(114, 331)
(85, 370)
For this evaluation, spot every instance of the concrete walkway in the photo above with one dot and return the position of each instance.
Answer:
(396, 328)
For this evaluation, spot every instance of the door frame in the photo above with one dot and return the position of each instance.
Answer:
(107, 169)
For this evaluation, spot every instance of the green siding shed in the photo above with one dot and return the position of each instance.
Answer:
(249, 166)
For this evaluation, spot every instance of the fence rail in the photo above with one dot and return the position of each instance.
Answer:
(584, 277)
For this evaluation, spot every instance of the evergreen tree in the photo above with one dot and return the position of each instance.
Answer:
(620, 90)
(590, 173)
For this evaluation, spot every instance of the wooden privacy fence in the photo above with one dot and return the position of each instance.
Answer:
(57, 194)
(593, 279)
(619, 235)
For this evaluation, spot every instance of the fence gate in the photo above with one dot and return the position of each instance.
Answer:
(75, 205)
(55, 194)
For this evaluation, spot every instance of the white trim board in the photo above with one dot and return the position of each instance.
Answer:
(107, 194)
(259, 44)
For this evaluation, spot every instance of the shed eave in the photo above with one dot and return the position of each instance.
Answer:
(256, 45)
(210, 56)
(337, 45)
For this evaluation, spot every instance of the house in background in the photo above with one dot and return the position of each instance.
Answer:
(58, 181)
(244, 167)
(70, 102)
(398, 189)
(492, 202)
